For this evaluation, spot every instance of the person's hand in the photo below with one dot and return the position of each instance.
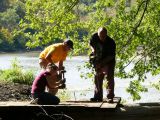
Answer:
(62, 86)
(63, 80)
(51, 63)
(61, 68)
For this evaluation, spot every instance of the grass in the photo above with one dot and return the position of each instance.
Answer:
(16, 74)
(64, 94)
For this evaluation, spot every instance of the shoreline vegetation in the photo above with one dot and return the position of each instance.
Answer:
(16, 74)
(15, 84)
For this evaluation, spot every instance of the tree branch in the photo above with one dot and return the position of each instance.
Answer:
(144, 56)
(139, 8)
(135, 28)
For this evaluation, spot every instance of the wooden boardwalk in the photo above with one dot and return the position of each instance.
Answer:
(81, 110)
(103, 105)
(100, 105)
(27, 110)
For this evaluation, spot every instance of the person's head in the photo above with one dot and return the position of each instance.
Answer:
(68, 44)
(52, 68)
(102, 33)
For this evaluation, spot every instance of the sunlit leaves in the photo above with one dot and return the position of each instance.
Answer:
(135, 88)
(134, 27)
(51, 19)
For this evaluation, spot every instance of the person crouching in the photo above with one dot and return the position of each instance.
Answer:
(47, 78)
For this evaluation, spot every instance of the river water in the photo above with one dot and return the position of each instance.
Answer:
(78, 87)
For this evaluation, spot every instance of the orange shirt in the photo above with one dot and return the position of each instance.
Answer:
(58, 54)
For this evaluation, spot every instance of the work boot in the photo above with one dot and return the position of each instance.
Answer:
(96, 99)
(110, 94)
(109, 100)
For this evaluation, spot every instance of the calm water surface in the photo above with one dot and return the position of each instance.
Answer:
(75, 84)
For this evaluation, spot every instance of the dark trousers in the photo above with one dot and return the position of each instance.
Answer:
(46, 98)
(99, 77)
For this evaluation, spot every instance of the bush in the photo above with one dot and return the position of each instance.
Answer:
(16, 74)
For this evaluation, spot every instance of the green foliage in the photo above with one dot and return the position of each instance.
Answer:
(5, 40)
(135, 29)
(9, 19)
(4, 4)
(19, 41)
(135, 88)
(136, 32)
(16, 75)
(156, 85)
(89, 73)
(139, 29)
(19, 7)
(51, 19)
(11, 11)
(64, 95)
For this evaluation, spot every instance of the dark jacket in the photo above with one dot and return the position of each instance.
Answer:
(103, 49)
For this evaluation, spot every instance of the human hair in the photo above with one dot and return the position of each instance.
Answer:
(52, 66)
(102, 29)
(69, 43)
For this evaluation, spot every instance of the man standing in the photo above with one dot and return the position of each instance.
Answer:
(55, 53)
(103, 50)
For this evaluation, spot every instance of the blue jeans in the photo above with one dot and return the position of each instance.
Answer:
(46, 98)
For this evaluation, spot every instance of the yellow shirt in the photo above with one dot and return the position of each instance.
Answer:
(58, 54)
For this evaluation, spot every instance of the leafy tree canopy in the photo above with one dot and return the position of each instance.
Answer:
(135, 29)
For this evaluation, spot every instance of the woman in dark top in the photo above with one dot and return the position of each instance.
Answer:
(47, 78)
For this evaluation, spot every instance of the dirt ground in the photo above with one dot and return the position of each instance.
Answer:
(14, 92)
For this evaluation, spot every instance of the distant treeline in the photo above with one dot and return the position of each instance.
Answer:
(11, 36)
(11, 13)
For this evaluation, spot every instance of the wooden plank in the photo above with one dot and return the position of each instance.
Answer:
(83, 103)
(89, 104)
(117, 100)
(13, 103)
(86, 103)
(147, 111)
(113, 105)
(93, 104)
(109, 105)
(79, 101)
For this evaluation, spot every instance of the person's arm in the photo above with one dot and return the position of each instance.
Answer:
(92, 43)
(61, 65)
(92, 49)
(49, 55)
(53, 82)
